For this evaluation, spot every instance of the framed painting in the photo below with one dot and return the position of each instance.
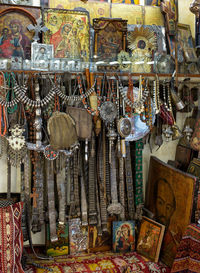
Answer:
(123, 236)
(186, 42)
(152, 2)
(60, 247)
(68, 33)
(150, 239)
(134, 2)
(78, 236)
(169, 197)
(109, 38)
(41, 54)
(15, 39)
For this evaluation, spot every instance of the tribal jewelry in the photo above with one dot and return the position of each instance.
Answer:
(137, 104)
(93, 111)
(16, 148)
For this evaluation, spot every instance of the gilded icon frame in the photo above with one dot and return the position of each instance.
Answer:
(69, 33)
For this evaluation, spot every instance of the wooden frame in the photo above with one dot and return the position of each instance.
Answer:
(185, 43)
(68, 33)
(109, 38)
(15, 40)
(150, 239)
(185, 39)
(169, 197)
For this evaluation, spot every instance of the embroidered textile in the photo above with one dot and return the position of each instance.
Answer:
(188, 253)
(11, 239)
(106, 262)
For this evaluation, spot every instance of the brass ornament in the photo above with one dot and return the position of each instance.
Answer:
(142, 42)
(124, 61)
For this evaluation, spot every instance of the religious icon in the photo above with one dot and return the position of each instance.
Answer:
(15, 39)
(41, 55)
(68, 33)
(123, 236)
(170, 196)
(60, 247)
(110, 38)
(150, 239)
(142, 43)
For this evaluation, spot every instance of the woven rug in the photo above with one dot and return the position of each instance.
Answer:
(188, 253)
(106, 262)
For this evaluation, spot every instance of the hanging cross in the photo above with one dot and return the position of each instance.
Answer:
(34, 195)
(168, 7)
(37, 28)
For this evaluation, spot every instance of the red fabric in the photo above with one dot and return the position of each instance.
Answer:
(106, 262)
(11, 239)
(188, 253)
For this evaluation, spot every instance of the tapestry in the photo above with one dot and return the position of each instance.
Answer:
(106, 262)
(11, 239)
(169, 196)
(188, 254)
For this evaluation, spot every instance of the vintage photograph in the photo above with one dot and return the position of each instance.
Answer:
(68, 33)
(123, 236)
(150, 239)
(169, 196)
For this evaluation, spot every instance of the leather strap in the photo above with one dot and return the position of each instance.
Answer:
(102, 183)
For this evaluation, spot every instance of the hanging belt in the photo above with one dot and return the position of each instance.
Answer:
(92, 184)
(51, 201)
(129, 182)
(115, 207)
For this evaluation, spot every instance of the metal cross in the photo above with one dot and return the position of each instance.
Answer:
(34, 195)
(37, 28)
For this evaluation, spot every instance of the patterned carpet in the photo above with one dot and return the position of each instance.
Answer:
(106, 262)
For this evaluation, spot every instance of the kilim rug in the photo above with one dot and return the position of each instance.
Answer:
(100, 262)
(188, 253)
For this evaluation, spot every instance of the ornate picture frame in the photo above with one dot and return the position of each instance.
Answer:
(150, 239)
(109, 38)
(41, 56)
(15, 40)
(68, 33)
(174, 189)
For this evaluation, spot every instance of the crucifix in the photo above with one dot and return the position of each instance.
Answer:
(168, 7)
(37, 28)
(34, 195)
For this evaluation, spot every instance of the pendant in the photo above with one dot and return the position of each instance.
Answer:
(108, 111)
(188, 132)
(16, 148)
(124, 127)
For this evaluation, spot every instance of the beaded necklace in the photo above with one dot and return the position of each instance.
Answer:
(91, 111)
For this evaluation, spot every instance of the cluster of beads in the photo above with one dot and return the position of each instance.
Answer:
(137, 104)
